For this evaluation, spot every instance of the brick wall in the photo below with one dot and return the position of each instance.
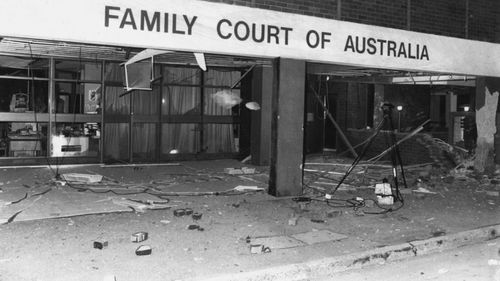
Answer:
(441, 17)
(316, 8)
(483, 20)
(388, 13)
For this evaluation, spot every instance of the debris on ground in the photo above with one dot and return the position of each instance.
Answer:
(244, 188)
(142, 205)
(143, 250)
(239, 171)
(139, 237)
(81, 178)
(100, 244)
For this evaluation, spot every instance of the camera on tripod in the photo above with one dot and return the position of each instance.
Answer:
(387, 107)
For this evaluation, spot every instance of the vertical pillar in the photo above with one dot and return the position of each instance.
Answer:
(260, 136)
(285, 177)
(487, 123)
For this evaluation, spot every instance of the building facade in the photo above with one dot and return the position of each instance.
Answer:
(68, 98)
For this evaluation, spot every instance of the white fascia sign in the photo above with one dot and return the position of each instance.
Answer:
(205, 27)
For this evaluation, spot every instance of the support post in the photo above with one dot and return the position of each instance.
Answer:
(487, 93)
(260, 136)
(285, 177)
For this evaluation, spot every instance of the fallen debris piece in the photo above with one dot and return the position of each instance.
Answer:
(233, 171)
(247, 170)
(384, 193)
(179, 212)
(183, 212)
(195, 227)
(423, 190)
(248, 188)
(139, 237)
(197, 216)
(100, 244)
(259, 249)
(81, 178)
(143, 250)
(141, 206)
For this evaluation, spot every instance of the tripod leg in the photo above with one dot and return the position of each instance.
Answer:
(396, 159)
(360, 156)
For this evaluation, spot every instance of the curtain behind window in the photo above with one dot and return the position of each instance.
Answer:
(220, 138)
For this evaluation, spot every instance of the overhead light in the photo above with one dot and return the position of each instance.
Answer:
(466, 108)
(174, 151)
(462, 80)
(399, 107)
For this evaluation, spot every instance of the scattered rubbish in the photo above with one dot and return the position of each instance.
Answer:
(423, 190)
(318, 220)
(179, 212)
(143, 250)
(243, 188)
(383, 192)
(139, 237)
(195, 227)
(165, 221)
(430, 219)
(140, 205)
(197, 216)
(259, 249)
(233, 171)
(183, 212)
(241, 171)
(81, 178)
(247, 170)
(100, 244)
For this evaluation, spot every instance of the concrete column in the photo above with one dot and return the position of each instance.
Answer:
(285, 178)
(260, 136)
(487, 123)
